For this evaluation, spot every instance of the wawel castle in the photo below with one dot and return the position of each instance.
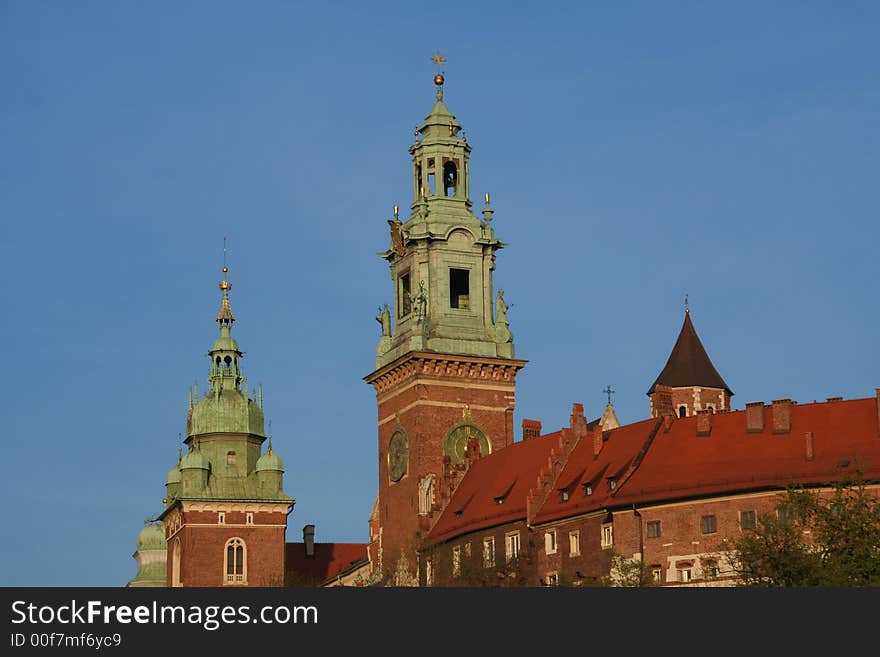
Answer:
(463, 497)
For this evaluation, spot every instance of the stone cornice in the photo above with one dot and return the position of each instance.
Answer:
(446, 366)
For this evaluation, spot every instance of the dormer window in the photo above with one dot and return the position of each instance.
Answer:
(499, 499)
(588, 489)
(563, 495)
(682, 411)
(612, 483)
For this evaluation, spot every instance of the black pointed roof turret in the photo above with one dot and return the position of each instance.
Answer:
(689, 364)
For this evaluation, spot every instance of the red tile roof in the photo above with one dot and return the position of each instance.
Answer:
(330, 559)
(620, 448)
(509, 473)
(682, 464)
(664, 459)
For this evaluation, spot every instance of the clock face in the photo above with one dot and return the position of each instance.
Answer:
(398, 455)
(456, 441)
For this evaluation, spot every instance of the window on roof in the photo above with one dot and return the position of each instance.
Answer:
(708, 524)
(588, 489)
(612, 483)
(563, 495)
(550, 541)
(682, 411)
(710, 408)
(499, 499)
(654, 529)
(747, 520)
(574, 543)
(489, 552)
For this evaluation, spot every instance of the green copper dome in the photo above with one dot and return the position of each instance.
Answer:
(227, 412)
(225, 343)
(151, 537)
(195, 459)
(173, 475)
(270, 461)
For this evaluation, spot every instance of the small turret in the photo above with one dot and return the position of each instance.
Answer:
(270, 471)
(194, 468)
(150, 556)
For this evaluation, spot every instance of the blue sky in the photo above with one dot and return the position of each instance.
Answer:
(635, 152)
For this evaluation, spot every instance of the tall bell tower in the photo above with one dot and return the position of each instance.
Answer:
(445, 367)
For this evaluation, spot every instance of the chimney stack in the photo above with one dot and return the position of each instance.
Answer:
(782, 415)
(704, 423)
(662, 401)
(577, 421)
(309, 540)
(597, 440)
(530, 429)
(755, 417)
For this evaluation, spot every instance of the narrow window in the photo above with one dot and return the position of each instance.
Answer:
(684, 574)
(250, 519)
(552, 579)
(588, 489)
(227, 361)
(235, 557)
(230, 458)
(574, 543)
(511, 546)
(489, 552)
(221, 518)
(607, 535)
(657, 573)
(682, 411)
(564, 494)
(175, 564)
(449, 179)
(459, 287)
(747, 520)
(708, 525)
(431, 183)
(467, 550)
(404, 303)
(654, 529)
(419, 182)
(456, 561)
(550, 542)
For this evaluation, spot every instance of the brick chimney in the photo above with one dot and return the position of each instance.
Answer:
(704, 423)
(577, 421)
(755, 417)
(782, 415)
(530, 429)
(309, 540)
(662, 401)
(597, 441)
(808, 445)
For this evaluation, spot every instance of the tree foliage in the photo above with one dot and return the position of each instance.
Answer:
(813, 540)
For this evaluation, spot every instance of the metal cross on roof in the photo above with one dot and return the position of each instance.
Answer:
(608, 391)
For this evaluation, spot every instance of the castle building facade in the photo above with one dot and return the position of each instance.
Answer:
(460, 501)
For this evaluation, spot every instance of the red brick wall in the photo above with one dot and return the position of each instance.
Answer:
(203, 548)
(426, 407)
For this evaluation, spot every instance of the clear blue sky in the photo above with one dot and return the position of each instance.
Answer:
(635, 152)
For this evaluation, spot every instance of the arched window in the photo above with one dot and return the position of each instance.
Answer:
(230, 458)
(235, 566)
(682, 411)
(175, 564)
(450, 178)
(426, 495)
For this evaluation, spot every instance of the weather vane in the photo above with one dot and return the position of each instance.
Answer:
(225, 251)
(439, 60)
(608, 391)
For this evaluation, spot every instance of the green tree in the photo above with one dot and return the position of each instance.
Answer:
(813, 540)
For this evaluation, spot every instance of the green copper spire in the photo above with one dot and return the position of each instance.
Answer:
(443, 256)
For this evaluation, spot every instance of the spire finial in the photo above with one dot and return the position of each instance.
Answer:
(270, 435)
(488, 211)
(439, 60)
(224, 315)
(608, 391)
(687, 308)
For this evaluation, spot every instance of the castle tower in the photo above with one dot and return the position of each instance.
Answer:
(689, 383)
(445, 370)
(225, 512)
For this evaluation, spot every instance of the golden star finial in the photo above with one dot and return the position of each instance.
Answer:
(438, 59)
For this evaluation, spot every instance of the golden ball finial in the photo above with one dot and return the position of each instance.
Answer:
(439, 79)
(225, 269)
